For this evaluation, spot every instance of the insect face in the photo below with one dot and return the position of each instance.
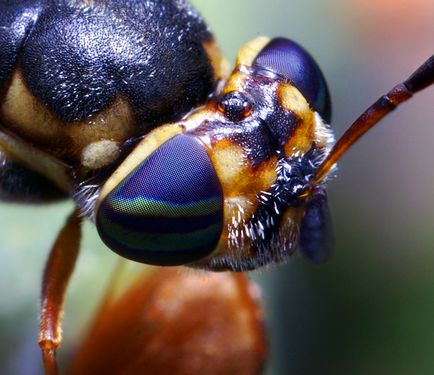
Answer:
(229, 193)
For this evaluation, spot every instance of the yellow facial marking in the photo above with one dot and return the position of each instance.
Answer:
(236, 82)
(291, 99)
(235, 172)
(246, 56)
(248, 52)
(237, 176)
(230, 163)
(241, 184)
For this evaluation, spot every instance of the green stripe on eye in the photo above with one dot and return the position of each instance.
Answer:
(161, 241)
(152, 207)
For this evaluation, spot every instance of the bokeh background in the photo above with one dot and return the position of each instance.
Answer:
(370, 310)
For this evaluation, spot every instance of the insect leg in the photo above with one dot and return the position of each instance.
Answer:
(58, 270)
(419, 80)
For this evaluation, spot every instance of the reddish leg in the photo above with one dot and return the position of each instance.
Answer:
(57, 272)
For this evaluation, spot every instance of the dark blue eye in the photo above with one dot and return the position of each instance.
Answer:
(169, 210)
(294, 63)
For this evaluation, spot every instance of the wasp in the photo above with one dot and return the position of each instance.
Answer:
(127, 108)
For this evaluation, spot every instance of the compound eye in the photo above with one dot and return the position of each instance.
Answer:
(291, 61)
(169, 210)
(235, 106)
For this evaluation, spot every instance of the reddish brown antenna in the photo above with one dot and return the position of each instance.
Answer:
(419, 80)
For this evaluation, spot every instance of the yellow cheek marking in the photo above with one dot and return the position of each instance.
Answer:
(291, 99)
(236, 82)
(248, 52)
(237, 212)
(146, 147)
(241, 183)
(230, 163)
(236, 174)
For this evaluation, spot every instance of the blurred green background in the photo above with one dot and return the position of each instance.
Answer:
(370, 310)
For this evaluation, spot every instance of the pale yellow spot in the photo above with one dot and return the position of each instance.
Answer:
(99, 154)
(115, 123)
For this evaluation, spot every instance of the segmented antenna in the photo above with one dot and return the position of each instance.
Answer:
(419, 80)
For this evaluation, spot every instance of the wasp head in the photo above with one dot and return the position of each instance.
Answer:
(223, 187)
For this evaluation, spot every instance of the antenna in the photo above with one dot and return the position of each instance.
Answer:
(419, 80)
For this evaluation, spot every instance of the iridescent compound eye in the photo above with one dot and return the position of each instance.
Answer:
(291, 61)
(168, 210)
